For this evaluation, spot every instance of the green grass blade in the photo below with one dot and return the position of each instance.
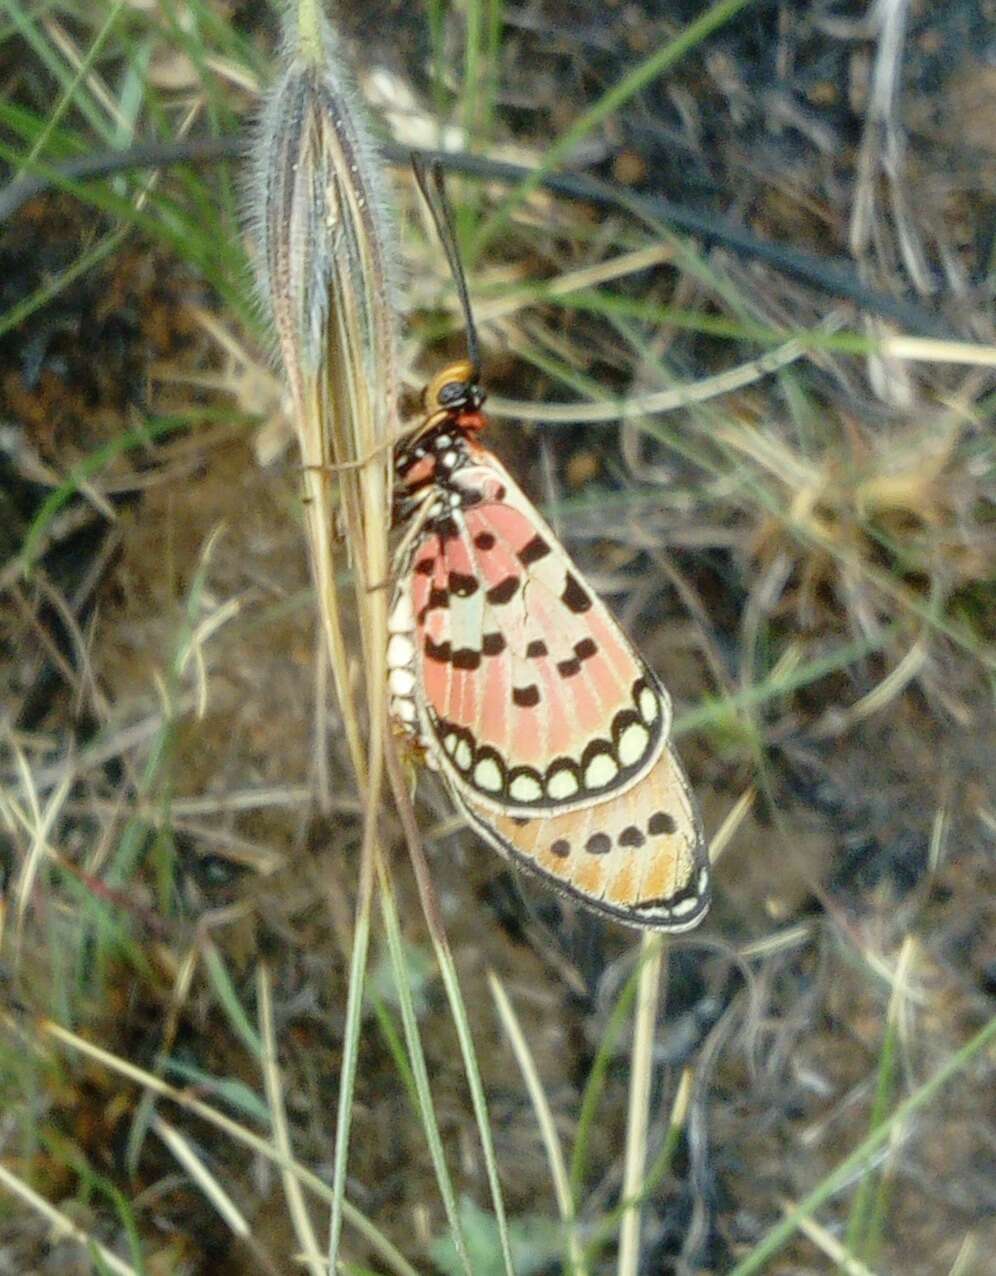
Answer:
(50, 290)
(55, 64)
(574, 1261)
(607, 1226)
(473, 1073)
(230, 1090)
(419, 1072)
(347, 1072)
(870, 1200)
(395, 1046)
(72, 87)
(151, 429)
(606, 106)
(63, 1152)
(597, 1076)
(211, 249)
(758, 1258)
(228, 997)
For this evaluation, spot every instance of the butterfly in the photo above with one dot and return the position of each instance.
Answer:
(511, 678)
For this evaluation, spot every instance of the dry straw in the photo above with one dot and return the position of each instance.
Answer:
(324, 236)
(325, 244)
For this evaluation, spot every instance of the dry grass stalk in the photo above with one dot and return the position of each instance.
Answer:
(296, 1206)
(320, 215)
(325, 267)
(62, 1226)
(653, 956)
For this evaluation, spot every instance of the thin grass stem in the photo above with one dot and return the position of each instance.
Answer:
(273, 1084)
(419, 1070)
(638, 1113)
(544, 1118)
(238, 1133)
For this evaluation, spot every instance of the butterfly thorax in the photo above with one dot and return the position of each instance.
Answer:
(426, 465)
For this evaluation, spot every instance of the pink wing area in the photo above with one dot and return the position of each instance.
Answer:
(535, 699)
(639, 856)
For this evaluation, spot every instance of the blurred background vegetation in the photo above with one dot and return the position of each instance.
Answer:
(802, 543)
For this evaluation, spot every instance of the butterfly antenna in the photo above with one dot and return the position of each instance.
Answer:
(433, 187)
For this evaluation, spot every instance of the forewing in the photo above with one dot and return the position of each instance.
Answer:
(530, 692)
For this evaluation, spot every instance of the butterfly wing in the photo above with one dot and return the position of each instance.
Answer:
(624, 855)
(549, 729)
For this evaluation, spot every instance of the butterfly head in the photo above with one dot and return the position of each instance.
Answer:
(455, 395)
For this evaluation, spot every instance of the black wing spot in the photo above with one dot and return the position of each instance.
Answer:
(536, 649)
(526, 697)
(438, 651)
(466, 658)
(669, 901)
(631, 836)
(446, 528)
(569, 668)
(520, 820)
(585, 649)
(575, 598)
(484, 540)
(561, 848)
(503, 591)
(425, 567)
(660, 823)
(437, 598)
(595, 749)
(658, 901)
(461, 585)
(493, 644)
(598, 844)
(533, 551)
